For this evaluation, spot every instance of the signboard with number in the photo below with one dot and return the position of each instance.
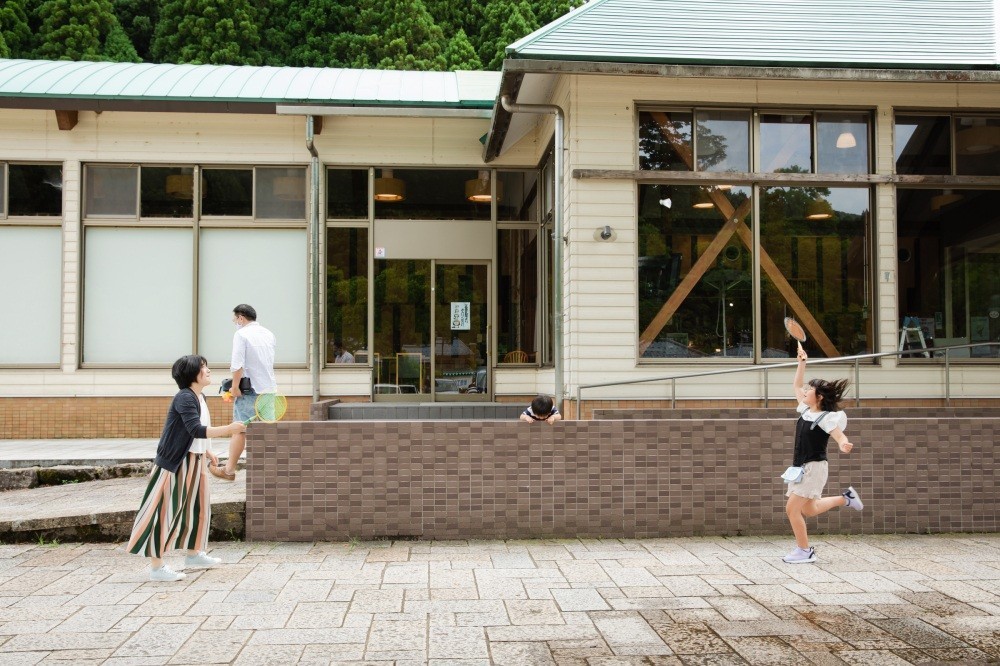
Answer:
(460, 319)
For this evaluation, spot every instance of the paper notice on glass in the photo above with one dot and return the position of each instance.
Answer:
(460, 320)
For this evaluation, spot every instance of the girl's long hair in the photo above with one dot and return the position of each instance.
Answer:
(829, 393)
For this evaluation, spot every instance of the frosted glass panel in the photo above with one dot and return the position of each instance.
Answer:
(137, 295)
(265, 268)
(30, 312)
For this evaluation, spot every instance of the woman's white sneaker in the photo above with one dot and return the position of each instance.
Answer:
(853, 499)
(165, 574)
(201, 560)
(800, 556)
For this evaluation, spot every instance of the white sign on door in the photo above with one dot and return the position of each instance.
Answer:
(460, 320)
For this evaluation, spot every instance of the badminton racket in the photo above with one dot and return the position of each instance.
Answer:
(268, 408)
(795, 330)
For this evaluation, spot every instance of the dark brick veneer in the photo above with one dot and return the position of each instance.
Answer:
(334, 480)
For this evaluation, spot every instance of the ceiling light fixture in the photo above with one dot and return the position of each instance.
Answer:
(388, 188)
(819, 209)
(946, 198)
(478, 190)
(846, 138)
(701, 199)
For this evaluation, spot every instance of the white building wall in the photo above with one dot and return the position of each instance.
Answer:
(602, 330)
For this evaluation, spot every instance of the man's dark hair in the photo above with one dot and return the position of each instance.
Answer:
(541, 406)
(245, 310)
(337, 344)
(186, 369)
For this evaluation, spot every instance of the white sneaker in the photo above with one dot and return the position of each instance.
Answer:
(201, 560)
(853, 499)
(800, 556)
(166, 574)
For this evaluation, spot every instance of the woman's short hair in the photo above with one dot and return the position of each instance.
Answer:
(187, 368)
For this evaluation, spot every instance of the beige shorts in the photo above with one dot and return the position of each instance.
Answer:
(813, 481)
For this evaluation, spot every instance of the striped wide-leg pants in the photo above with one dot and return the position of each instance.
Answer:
(176, 511)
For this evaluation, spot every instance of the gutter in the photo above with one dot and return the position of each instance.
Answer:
(314, 260)
(557, 233)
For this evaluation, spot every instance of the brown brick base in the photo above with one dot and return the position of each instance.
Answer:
(334, 480)
(85, 418)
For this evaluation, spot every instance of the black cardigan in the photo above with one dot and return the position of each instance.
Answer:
(183, 426)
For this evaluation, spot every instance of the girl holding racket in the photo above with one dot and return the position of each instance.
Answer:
(819, 419)
(176, 510)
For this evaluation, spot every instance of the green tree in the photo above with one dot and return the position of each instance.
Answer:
(393, 34)
(216, 32)
(504, 23)
(118, 47)
(138, 19)
(4, 51)
(298, 32)
(460, 54)
(14, 29)
(73, 29)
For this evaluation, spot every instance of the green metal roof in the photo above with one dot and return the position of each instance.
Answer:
(66, 80)
(849, 33)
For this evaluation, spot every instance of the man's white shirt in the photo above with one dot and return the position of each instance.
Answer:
(253, 350)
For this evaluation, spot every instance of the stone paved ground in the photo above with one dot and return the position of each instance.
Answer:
(870, 600)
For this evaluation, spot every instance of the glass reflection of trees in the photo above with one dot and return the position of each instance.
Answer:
(347, 289)
(715, 318)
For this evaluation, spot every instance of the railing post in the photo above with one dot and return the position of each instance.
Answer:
(947, 378)
(673, 393)
(857, 383)
(764, 372)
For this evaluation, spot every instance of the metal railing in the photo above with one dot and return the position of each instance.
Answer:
(775, 366)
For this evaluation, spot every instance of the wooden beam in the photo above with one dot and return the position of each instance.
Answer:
(699, 268)
(67, 119)
(782, 179)
(799, 308)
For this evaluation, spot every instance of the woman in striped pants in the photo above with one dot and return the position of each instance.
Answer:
(176, 510)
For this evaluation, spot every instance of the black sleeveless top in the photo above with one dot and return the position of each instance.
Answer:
(810, 441)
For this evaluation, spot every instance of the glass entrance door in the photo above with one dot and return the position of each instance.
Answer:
(431, 331)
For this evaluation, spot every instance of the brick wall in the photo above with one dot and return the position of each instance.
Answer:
(85, 418)
(640, 478)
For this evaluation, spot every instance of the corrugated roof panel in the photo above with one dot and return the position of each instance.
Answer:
(218, 83)
(857, 33)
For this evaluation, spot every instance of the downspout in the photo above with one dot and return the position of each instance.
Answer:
(557, 232)
(314, 261)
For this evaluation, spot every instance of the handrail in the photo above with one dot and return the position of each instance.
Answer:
(772, 366)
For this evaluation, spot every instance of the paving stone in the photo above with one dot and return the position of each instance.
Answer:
(579, 600)
(457, 643)
(519, 654)
(765, 650)
(154, 640)
(533, 612)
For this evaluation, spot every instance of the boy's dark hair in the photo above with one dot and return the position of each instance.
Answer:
(541, 406)
(245, 310)
(829, 393)
(187, 368)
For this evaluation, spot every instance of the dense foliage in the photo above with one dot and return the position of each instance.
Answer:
(382, 34)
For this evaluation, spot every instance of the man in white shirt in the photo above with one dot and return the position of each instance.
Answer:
(341, 354)
(253, 361)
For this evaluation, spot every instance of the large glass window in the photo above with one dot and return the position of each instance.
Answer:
(518, 305)
(814, 267)
(786, 142)
(695, 271)
(119, 298)
(205, 224)
(438, 194)
(666, 141)
(949, 269)
(517, 196)
(347, 194)
(723, 140)
(32, 310)
(35, 190)
(842, 143)
(923, 145)
(695, 280)
(977, 146)
(347, 291)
